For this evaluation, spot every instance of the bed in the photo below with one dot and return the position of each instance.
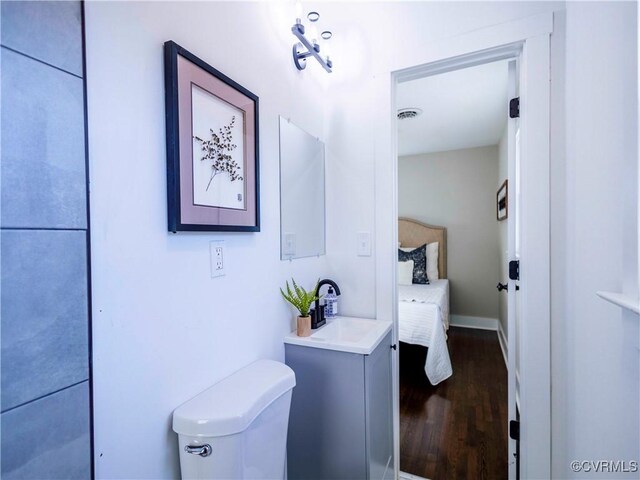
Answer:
(424, 309)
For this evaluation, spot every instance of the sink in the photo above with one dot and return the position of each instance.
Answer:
(348, 330)
(345, 334)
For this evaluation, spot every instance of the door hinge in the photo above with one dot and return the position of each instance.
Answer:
(514, 429)
(514, 270)
(394, 346)
(514, 107)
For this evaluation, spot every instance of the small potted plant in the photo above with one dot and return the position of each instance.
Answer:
(301, 300)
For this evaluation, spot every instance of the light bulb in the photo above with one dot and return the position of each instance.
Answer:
(298, 8)
(326, 47)
(313, 32)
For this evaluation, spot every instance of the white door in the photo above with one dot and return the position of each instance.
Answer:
(513, 226)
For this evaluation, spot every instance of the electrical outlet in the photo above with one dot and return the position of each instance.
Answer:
(218, 257)
(216, 251)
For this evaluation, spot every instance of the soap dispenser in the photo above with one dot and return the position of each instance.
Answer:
(330, 304)
(319, 319)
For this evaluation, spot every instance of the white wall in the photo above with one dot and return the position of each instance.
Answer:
(163, 330)
(594, 237)
(350, 197)
(457, 189)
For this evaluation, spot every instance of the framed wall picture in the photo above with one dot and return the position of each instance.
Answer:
(212, 147)
(502, 201)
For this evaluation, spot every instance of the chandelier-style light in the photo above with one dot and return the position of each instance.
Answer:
(306, 48)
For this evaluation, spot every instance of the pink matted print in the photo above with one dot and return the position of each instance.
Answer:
(217, 160)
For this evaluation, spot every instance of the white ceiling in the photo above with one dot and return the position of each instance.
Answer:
(460, 109)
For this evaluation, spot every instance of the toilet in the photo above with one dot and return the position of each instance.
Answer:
(237, 429)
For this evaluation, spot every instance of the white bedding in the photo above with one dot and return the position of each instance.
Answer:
(424, 320)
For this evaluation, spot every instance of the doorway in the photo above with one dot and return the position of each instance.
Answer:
(529, 39)
(456, 150)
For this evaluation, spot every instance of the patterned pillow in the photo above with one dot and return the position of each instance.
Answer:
(419, 257)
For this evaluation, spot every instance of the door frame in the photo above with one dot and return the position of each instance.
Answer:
(530, 38)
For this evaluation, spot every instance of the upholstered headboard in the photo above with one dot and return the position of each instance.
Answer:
(415, 234)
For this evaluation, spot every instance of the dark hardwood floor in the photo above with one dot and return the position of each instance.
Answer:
(457, 429)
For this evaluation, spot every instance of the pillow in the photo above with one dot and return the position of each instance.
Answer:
(419, 257)
(432, 260)
(405, 272)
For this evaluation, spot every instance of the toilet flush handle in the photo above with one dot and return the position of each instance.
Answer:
(202, 450)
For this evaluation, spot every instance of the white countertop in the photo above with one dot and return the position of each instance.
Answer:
(345, 334)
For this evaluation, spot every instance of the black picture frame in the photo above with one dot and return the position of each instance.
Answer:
(175, 203)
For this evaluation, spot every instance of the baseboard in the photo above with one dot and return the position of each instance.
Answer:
(481, 323)
(502, 338)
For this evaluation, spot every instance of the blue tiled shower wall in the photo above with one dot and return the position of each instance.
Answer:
(45, 401)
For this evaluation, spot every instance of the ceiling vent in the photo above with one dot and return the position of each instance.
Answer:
(407, 113)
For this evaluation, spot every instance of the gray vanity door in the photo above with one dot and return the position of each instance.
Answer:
(327, 434)
(340, 424)
(379, 411)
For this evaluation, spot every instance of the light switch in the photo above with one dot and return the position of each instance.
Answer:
(364, 244)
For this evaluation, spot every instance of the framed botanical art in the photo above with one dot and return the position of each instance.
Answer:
(212, 147)
(502, 202)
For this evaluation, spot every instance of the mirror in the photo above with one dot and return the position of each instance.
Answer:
(302, 222)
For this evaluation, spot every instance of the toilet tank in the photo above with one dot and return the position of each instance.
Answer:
(238, 427)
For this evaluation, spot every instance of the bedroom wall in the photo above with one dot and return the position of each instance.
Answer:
(163, 329)
(457, 189)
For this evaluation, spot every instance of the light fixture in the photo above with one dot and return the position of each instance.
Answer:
(306, 48)
(298, 11)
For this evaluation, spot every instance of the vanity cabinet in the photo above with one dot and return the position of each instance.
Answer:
(340, 425)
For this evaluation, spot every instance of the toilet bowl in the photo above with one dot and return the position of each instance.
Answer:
(237, 429)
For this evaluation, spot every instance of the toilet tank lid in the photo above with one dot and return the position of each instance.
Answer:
(230, 405)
